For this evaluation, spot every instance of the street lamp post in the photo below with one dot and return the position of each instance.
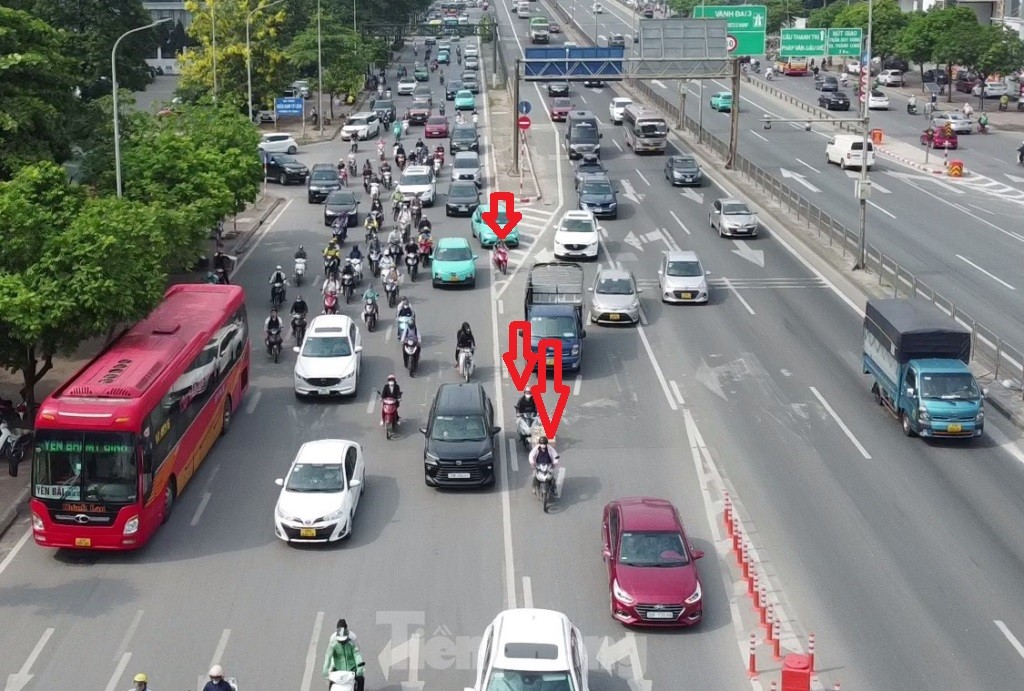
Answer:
(248, 52)
(319, 72)
(213, 41)
(354, 27)
(864, 187)
(113, 79)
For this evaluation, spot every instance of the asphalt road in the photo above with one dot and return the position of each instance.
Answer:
(962, 238)
(900, 555)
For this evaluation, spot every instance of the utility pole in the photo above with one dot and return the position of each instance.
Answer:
(515, 121)
(734, 115)
(213, 41)
(863, 184)
(319, 72)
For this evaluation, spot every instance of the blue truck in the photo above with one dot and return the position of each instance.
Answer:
(554, 308)
(919, 359)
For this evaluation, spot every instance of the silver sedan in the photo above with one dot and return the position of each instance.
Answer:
(615, 298)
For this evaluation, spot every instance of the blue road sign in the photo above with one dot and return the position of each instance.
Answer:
(551, 62)
(288, 106)
(524, 107)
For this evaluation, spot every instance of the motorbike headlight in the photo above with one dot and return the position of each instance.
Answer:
(132, 526)
(621, 595)
(695, 597)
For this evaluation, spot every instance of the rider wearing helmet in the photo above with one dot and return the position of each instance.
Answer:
(463, 339)
(217, 681)
(141, 682)
(543, 453)
(526, 405)
(404, 309)
(343, 654)
(391, 390)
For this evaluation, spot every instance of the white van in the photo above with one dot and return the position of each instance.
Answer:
(845, 150)
(523, 10)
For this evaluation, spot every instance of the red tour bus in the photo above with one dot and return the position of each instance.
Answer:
(117, 443)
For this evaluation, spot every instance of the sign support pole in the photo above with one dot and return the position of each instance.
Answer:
(515, 122)
(734, 115)
(861, 264)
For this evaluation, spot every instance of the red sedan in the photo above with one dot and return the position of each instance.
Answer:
(559, 109)
(437, 126)
(652, 569)
(941, 140)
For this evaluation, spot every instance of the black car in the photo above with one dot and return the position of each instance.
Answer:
(835, 100)
(590, 165)
(339, 202)
(597, 195)
(322, 182)
(451, 88)
(558, 88)
(683, 170)
(616, 41)
(286, 169)
(936, 77)
(459, 448)
(464, 137)
(471, 81)
(463, 198)
(827, 84)
(385, 107)
(593, 82)
(895, 63)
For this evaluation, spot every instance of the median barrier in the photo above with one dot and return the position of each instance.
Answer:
(876, 136)
(797, 671)
(955, 169)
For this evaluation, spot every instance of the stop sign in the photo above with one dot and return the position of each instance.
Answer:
(524, 122)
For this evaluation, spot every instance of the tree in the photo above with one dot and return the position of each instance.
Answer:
(1003, 53)
(36, 82)
(887, 24)
(72, 267)
(916, 43)
(782, 12)
(824, 17)
(346, 55)
(90, 29)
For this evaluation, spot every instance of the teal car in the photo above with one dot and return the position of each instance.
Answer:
(483, 233)
(465, 100)
(420, 73)
(722, 101)
(453, 263)
(443, 57)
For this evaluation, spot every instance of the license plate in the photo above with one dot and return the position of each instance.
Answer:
(686, 296)
(661, 615)
(324, 392)
(83, 542)
(551, 361)
(463, 208)
(614, 317)
(955, 428)
(307, 532)
(458, 476)
(453, 279)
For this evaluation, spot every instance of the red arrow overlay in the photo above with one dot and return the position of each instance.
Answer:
(519, 331)
(506, 200)
(550, 422)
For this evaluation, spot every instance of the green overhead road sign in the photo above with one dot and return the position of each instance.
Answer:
(745, 25)
(818, 43)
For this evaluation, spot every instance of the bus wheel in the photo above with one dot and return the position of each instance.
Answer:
(225, 417)
(168, 500)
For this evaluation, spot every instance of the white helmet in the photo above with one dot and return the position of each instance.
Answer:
(279, 267)
(216, 671)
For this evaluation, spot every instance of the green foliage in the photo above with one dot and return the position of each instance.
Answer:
(825, 17)
(916, 43)
(486, 29)
(1003, 54)
(345, 54)
(888, 22)
(782, 12)
(72, 268)
(36, 83)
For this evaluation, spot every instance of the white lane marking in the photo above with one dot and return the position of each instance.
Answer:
(266, 229)
(658, 83)
(643, 317)
(604, 232)
(728, 284)
(617, 145)
(14, 552)
(501, 307)
(222, 644)
(115, 678)
(987, 273)
(802, 179)
(657, 368)
(513, 453)
(669, 240)
(642, 177)
(580, 95)
(877, 207)
(307, 675)
(199, 509)
(758, 135)
(842, 425)
(982, 209)
(371, 404)
(527, 593)
(1009, 636)
(577, 384)
(678, 394)
(123, 646)
(1006, 444)
(387, 334)
(254, 401)
(681, 224)
(22, 677)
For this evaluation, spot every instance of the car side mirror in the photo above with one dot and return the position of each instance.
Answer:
(475, 257)
(591, 290)
(295, 349)
(911, 391)
(707, 273)
(600, 136)
(660, 272)
(583, 333)
(495, 430)
(606, 553)
(355, 482)
(984, 392)
(423, 430)
(639, 290)
(359, 349)
(279, 482)
(698, 554)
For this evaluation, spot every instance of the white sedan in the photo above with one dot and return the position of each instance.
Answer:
(406, 86)
(878, 101)
(576, 235)
(320, 494)
(598, 8)
(616, 109)
(329, 358)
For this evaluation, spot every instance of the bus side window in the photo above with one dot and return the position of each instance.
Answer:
(147, 468)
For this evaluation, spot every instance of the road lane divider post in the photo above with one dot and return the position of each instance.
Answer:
(736, 534)
(758, 589)
(742, 557)
(776, 635)
(752, 659)
(766, 621)
(810, 650)
(762, 605)
(727, 512)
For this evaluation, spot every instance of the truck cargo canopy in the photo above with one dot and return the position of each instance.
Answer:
(912, 329)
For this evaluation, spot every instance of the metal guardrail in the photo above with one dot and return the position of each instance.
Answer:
(988, 349)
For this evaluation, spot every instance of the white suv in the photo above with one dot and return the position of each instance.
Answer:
(361, 126)
(890, 78)
(278, 144)
(531, 648)
(617, 108)
(419, 181)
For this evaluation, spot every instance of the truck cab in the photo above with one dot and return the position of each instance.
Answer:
(554, 308)
(539, 30)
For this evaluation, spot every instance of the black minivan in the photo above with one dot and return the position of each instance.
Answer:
(459, 449)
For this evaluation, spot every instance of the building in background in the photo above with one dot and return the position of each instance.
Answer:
(176, 39)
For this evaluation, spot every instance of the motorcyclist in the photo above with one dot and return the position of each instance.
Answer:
(463, 339)
(301, 253)
(526, 405)
(331, 286)
(395, 236)
(396, 201)
(371, 295)
(348, 271)
(278, 276)
(412, 333)
(388, 270)
(332, 257)
(217, 681)
(273, 322)
(371, 225)
(373, 247)
(355, 253)
(968, 110)
(299, 306)
(912, 104)
(412, 248)
(140, 683)
(405, 218)
(1020, 153)
(542, 454)
(391, 390)
(983, 122)
(405, 309)
(343, 654)
(424, 227)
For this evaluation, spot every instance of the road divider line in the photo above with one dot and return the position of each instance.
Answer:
(199, 510)
(371, 404)
(115, 678)
(307, 674)
(14, 552)
(728, 284)
(387, 334)
(842, 425)
(1010, 637)
(987, 273)
(676, 392)
(501, 307)
(123, 645)
(266, 229)
(527, 593)
(254, 401)
(642, 177)
(657, 368)
(643, 317)
(681, 224)
(577, 384)
(758, 135)
(617, 145)
(513, 453)
(878, 208)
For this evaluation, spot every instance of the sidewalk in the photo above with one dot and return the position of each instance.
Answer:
(14, 492)
(500, 114)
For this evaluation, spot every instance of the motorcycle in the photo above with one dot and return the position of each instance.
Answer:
(277, 294)
(388, 181)
(416, 210)
(342, 680)
(500, 259)
(374, 258)
(544, 475)
(10, 411)
(412, 265)
(982, 128)
(394, 251)
(366, 182)
(300, 270)
(1020, 158)
(339, 228)
(466, 365)
(403, 326)
(911, 109)
(380, 149)
(437, 166)
(13, 444)
(331, 303)
(411, 356)
(389, 412)
(274, 341)
(370, 314)
(348, 284)
(352, 171)
(524, 427)
(331, 265)
(357, 268)
(426, 248)
(391, 291)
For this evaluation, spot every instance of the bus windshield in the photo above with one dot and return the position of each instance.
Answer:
(85, 466)
(651, 128)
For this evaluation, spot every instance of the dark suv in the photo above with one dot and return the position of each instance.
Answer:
(464, 137)
(459, 449)
(322, 181)
(285, 169)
